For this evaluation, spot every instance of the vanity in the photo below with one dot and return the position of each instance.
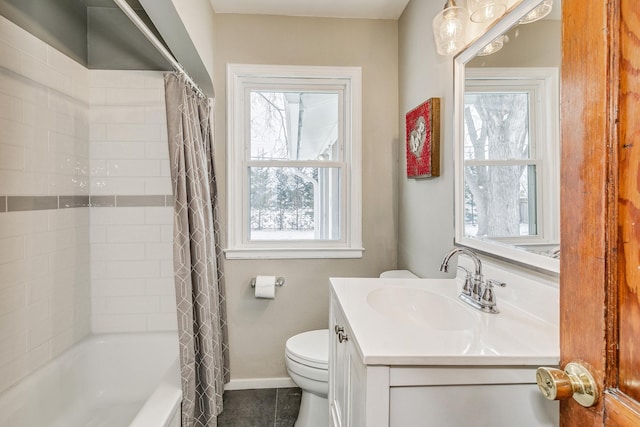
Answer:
(408, 352)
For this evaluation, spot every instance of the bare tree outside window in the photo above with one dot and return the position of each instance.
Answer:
(499, 173)
(284, 127)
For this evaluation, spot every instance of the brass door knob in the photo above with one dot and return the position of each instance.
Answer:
(575, 381)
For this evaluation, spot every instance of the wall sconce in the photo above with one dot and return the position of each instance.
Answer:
(540, 11)
(450, 28)
(486, 10)
(494, 46)
(450, 25)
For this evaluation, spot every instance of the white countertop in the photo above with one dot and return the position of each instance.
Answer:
(473, 338)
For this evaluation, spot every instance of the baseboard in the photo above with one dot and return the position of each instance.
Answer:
(253, 383)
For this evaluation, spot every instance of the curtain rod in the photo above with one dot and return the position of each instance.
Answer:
(135, 19)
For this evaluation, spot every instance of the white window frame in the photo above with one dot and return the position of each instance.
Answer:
(241, 78)
(542, 85)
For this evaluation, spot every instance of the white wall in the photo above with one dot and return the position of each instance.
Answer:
(425, 212)
(132, 218)
(259, 328)
(44, 253)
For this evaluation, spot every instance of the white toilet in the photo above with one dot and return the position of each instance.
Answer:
(307, 361)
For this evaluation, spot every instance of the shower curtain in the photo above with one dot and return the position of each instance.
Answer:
(200, 293)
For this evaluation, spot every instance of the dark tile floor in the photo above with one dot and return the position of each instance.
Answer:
(272, 407)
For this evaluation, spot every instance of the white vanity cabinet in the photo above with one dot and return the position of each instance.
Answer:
(355, 398)
(385, 373)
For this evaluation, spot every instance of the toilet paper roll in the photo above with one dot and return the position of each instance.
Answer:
(265, 287)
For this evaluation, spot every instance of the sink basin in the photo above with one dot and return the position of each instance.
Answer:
(421, 307)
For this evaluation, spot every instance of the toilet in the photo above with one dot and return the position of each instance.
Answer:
(307, 361)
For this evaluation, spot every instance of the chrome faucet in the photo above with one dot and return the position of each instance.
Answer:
(476, 292)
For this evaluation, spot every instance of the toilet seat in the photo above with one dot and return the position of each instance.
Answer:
(309, 349)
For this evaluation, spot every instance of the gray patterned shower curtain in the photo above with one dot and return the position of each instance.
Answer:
(200, 293)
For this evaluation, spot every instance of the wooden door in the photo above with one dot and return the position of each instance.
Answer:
(600, 211)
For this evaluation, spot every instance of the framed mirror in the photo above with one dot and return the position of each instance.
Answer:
(507, 144)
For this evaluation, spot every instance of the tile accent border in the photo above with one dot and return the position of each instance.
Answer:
(37, 203)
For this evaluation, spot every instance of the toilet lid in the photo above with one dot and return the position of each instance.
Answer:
(310, 348)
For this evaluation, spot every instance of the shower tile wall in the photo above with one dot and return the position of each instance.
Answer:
(44, 168)
(131, 235)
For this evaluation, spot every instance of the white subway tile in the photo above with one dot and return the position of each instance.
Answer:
(119, 287)
(133, 304)
(12, 298)
(68, 218)
(161, 185)
(162, 322)
(97, 132)
(159, 215)
(118, 216)
(39, 290)
(14, 183)
(12, 347)
(12, 372)
(11, 249)
(118, 150)
(11, 157)
(98, 305)
(134, 96)
(21, 223)
(98, 234)
(116, 79)
(62, 320)
(19, 134)
(117, 114)
(38, 311)
(97, 96)
(168, 303)
(63, 64)
(38, 356)
(121, 186)
(62, 342)
(13, 273)
(133, 168)
(10, 58)
(39, 71)
(17, 87)
(132, 269)
(11, 108)
(160, 250)
(22, 40)
(13, 322)
(166, 268)
(118, 251)
(156, 150)
(156, 114)
(39, 333)
(119, 323)
(161, 286)
(133, 234)
(133, 132)
(98, 270)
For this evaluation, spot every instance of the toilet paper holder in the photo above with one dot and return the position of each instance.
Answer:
(279, 282)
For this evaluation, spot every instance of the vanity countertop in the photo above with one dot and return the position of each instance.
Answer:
(422, 322)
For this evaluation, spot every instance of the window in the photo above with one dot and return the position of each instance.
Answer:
(294, 149)
(509, 157)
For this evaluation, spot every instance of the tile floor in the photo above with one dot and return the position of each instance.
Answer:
(273, 407)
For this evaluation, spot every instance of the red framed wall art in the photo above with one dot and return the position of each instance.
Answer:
(423, 140)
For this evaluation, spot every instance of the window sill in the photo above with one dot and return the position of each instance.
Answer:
(293, 253)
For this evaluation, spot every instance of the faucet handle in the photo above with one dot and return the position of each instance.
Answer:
(488, 296)
(466, 289)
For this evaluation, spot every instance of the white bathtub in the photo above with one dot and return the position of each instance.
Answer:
(111, 380)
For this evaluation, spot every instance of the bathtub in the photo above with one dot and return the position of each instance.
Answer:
(111, 380)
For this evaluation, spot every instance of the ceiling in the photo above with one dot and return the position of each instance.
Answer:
(372, 9)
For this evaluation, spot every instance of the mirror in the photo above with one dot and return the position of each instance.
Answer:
(507, 149)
